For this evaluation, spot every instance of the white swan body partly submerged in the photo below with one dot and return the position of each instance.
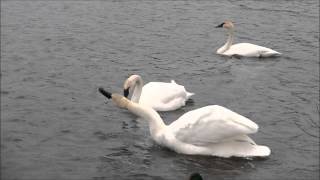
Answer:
(242, 49)
(160, 96)
(211, 130)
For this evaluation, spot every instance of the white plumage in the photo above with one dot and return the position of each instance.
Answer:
(161, 96)
(216, 130)
(211, 130)
(242, 49)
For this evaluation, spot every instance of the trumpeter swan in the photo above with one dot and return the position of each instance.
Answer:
(211, 130)
(160, 96)
(242, 49)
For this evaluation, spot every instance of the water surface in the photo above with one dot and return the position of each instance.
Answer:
(55, 54)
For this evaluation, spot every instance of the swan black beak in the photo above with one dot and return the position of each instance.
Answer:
(220, 26)
(105, 93)
(126, 92)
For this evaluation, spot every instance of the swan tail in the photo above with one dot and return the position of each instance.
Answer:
(243, 150)
(173, 81)
(246, 147)
(251, 149)
(240, 146)
(251, 152)
(189, 94)
(259, 151)
(270, 53)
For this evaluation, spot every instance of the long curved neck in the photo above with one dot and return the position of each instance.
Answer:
(137, 90)
(228, 44)
(156, 123)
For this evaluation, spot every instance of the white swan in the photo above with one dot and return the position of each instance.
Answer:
(242, 49)
(160, 96)
(211, 130)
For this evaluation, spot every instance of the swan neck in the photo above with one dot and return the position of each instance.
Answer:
(230, 39)
(229, 42)
(156, 123)
(137, 90)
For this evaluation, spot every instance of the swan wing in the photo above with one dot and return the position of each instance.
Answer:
(211, 124)
(250, 50)
(164, 96)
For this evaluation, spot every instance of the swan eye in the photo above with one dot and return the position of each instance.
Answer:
(126, 92)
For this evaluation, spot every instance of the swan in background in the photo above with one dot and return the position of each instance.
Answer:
(242, 49)
(160, 96)
(211, 130)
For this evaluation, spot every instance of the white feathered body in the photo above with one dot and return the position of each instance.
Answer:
(212, 130)
(249, 50)
(162, 96)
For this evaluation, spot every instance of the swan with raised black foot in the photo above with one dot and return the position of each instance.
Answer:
(210, 130)
(242, 49)
(161, 96)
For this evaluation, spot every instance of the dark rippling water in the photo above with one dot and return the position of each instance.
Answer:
(55, 54)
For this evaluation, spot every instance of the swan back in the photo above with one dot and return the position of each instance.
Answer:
(215, 130)
(211, 124)
(250, 50)
(163, 96)
(160, 96)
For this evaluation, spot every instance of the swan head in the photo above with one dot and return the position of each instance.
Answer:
(120, 101)
(117, 99)
(195, 176)
(226, 24)
(130, 83)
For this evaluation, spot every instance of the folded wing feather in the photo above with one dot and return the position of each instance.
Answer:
(211, 124)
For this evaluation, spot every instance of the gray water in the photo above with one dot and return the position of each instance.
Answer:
(55, 54)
